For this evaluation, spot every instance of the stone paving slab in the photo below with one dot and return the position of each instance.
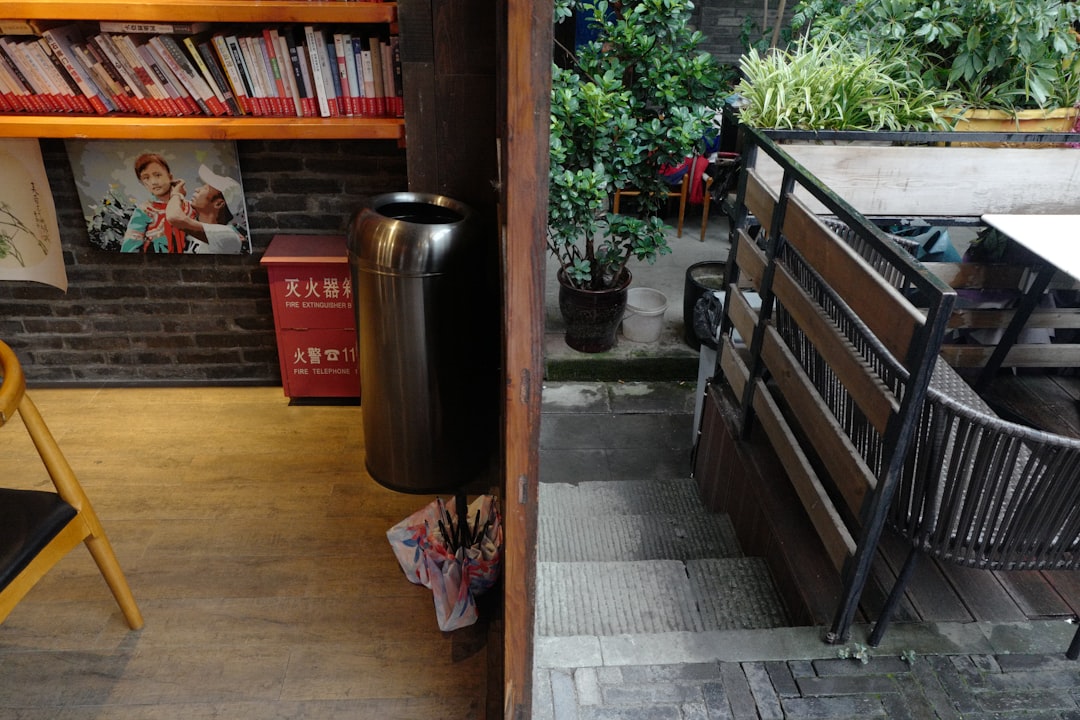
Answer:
(620, 497)
(920, 687)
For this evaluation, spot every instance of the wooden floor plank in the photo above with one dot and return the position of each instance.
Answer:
(255, 543)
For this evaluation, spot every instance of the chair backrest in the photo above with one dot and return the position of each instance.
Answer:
(840, 357)
(14, 383)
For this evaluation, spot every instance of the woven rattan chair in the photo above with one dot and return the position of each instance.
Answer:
(38, 528)
(976, 490)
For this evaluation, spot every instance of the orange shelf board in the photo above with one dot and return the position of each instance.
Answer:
(233, 128)
(259, 11)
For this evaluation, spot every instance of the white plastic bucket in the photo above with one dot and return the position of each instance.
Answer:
(644, 316)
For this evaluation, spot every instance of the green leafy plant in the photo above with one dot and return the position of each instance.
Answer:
(638, 97)
(1005, 54)
(827, 84)
(12, 228)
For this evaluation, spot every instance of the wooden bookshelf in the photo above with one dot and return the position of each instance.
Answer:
(261, 12)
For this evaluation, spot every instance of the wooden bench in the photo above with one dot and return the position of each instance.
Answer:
(843, 375)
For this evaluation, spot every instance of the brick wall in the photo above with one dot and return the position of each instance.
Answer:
(145, 319)
(721, 22)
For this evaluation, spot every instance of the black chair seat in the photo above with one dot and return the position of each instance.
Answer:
(29, 519)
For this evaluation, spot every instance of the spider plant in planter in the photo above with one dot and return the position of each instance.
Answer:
(637, 97)
(827, 84)
(1009, 55)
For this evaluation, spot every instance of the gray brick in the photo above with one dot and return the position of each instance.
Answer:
(645, 693)
(563, 695)
(1014, 702)
(656, 712)
(761, 687)
(956, 675)
(716, 701)
(876, 666)
(846, 685)
(588, 687)
(839, 707)
(782, 679)
(738, 691)
(933, 691)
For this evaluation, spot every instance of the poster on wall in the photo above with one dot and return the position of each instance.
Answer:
(161, 196)
(29, 234)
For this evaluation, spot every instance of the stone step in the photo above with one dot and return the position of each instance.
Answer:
(654, 596)
(620, 497)
(603, 536)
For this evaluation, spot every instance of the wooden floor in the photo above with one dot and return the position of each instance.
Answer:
(255, 544)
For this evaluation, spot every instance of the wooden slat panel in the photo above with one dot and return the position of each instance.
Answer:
(922, 181)
(891, 318)
(743, 317)
(760, 199)
(834, 535)
(987, 319)
(750, 259)
(1046, 355)
(843, 462)
(856, 377)
(735, 370)
(1034, 596)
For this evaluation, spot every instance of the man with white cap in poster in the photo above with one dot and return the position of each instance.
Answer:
(215, 202)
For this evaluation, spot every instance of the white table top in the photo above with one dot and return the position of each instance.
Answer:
(1054, 238)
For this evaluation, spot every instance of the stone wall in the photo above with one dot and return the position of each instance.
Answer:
(146, 319)
(721, 22)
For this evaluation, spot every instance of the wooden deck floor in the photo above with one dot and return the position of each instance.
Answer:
(255, 544)
(771, 523)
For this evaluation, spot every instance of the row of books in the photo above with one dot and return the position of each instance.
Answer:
(302, 71)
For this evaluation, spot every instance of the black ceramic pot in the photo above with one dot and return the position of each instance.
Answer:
(592, 316)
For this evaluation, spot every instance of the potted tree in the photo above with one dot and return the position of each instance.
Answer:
(637, 97)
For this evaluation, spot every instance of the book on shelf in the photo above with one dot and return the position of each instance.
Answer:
(203, 54)
(19, 62)
(288, 74)
(232, 74)
(166, 104)
(110, 55)
(377, 75)
(334, 91)
(168, 79)
(18, 94)
(316, 47)
(298, 58)
(107, 75)
(180, 64)
(256, 64)
(179, 71)
(355, 99)
(63, 40)
(268, 45)
(70, 91)
(153, 28)
(367, 72)
(395, 59)
(233, 44)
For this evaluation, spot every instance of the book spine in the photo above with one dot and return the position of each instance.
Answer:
(346, 104)
(288, 75)
(62, 41)
(138, 92)
(14, 88)
(233, 44)
(214, 99)
(122, 94)
(150, 28)
(218, 73)
(314, 42)
(275, 70)
(399, 92)
(180, 68)
(130, 54)
(350, 74)
(232, 75)
(377, 76)
(162, 80)
(41, 92)
(196, 85)
(297, 73)
(69, 91)
(310, 101)
(169, 79)
(254, 58)
(369, 82)
(334, 91)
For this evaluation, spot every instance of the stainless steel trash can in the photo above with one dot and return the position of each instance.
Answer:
(427, 333)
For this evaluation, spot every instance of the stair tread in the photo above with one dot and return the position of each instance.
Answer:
(621, 497)
(572, 538)
(654, 596)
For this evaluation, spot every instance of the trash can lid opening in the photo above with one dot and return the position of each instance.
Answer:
(421, 213)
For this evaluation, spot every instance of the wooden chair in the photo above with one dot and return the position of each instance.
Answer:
(38, 528)
(681, 192)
